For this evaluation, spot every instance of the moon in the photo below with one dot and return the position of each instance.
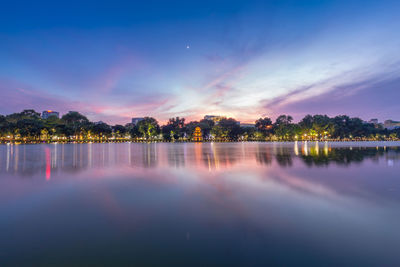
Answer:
(187, 46)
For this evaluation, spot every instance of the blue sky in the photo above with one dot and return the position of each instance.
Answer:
(245, 59)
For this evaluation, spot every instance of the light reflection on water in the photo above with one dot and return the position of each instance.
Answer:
(28, 160)
(200, 203)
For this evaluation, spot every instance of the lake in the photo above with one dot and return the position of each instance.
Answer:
(200, 204)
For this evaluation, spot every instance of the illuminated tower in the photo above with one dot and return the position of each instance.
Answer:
(197, 136)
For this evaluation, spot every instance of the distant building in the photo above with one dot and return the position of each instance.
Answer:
(374, 121)
(390, 124)
(98, 122)
(136, 120)
(248, 125)
(48, 113)
(214, 118)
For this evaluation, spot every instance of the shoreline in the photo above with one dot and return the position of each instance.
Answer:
(194, 142)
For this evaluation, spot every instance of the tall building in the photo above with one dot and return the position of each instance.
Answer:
(48, 113)
(136, 120)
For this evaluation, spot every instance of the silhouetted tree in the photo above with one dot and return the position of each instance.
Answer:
(174, 130)
(264, 126)
(101, 130)
(283, 127)
(75, 124)
(227, 130)
(119, 131)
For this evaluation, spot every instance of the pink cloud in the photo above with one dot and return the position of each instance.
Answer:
(20, 96)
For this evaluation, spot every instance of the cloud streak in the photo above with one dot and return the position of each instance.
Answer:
(244, 61)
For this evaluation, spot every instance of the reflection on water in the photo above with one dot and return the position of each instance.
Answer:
(26, 160)
(251, 204)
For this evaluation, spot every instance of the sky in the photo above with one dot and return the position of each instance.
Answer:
(116, 60)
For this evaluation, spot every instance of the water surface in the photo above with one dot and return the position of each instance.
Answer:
(253, 204)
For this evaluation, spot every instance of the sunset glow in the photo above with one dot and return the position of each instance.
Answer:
(239, 59)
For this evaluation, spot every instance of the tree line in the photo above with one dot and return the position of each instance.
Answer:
(28, 126)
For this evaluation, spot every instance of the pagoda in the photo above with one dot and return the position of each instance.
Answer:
(197, 136)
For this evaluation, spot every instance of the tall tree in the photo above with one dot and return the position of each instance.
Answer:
(76, 123)
(227, 130)
(148, 128)
(29, 128)
(101, 130)
(264, 126)
(52, 126)
(175, 129)
(283, 127)
(4, 126)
